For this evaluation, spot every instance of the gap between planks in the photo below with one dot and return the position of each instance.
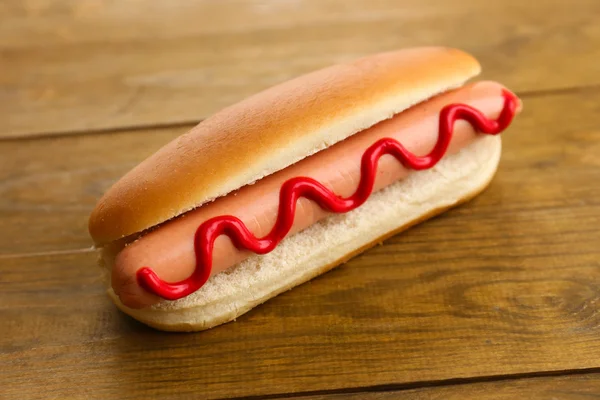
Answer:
(47, 253)
(422, 384)
(190, 123)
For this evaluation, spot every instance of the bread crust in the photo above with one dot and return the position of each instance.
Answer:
(272, 130)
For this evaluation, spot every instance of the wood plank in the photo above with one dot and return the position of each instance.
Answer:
(78, 65)
(45, 200)
(384, 318)
(507, 284)
(570, 387)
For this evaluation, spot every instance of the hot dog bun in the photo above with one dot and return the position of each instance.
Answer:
(269, 132)
(272, 130)
(328, 243)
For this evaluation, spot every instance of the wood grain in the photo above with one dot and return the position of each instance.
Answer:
(493, 300)
(45, 200)
(403, 312)
(71, 66)
(507, 284)
(550, 157)
(569, 387)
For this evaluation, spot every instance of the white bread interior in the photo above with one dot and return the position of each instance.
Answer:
(272, 130)
(303, 256)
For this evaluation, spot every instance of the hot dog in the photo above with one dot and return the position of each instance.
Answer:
(317, 129)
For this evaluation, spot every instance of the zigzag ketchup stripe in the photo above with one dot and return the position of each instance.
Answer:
(298, 187)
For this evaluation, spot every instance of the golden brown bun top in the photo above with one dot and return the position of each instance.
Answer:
(272, 130)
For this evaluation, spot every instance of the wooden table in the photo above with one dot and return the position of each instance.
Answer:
(498, 299)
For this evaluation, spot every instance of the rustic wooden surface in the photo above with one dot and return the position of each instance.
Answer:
(497, 299)
(574, 387)
(89, 65)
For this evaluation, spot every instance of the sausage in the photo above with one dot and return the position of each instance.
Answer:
(169, 250)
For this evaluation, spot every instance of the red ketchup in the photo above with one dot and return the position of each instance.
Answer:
(298, 187)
